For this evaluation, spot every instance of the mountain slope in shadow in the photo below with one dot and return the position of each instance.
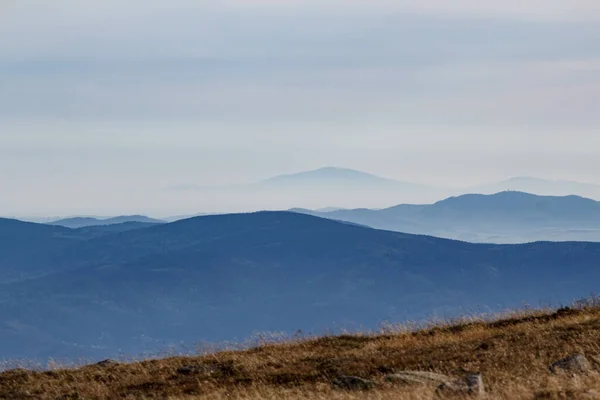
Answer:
(229, 276)
(28, 249)
(506, 217)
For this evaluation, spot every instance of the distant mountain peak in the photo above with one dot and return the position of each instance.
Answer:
(333, 175)
(334, 169)
(327, 172)
(339, 171)
(514, 195)
(541, 186)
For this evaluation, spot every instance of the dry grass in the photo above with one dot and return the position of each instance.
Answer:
(513, 355)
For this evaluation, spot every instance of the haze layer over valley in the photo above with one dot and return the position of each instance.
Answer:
(323, 189)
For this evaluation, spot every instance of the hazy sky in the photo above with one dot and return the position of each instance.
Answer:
(107, 105)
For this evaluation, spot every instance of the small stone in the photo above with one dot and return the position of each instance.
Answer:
(417, 377)
(353, 383)
(471, 385)
(577, 364)
(475, 383)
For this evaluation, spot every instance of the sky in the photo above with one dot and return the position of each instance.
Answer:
(107, 107)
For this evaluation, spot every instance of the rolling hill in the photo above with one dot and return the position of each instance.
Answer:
(25, 247)
(101, 230)
(319, 188)
(511, 354)
(539, 186)
(335, 176)
(19, 239)
(82, 222)
(226, 277)
(506, 217)
(340, 186)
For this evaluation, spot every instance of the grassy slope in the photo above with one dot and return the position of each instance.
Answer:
(513, 355)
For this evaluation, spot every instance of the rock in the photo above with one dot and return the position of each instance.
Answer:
(577, 364)
(470, 385)
(418, 377)
(353, 383)
(475, 383)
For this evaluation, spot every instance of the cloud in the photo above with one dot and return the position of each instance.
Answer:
(232, 62)
(115, 10)
(403, 69)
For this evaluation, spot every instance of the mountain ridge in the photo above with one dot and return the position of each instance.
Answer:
(505, 217)
(226, 277)
(326, 175)
(540, 186)
(82, 222)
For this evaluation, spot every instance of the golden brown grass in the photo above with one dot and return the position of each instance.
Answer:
(513, 355)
